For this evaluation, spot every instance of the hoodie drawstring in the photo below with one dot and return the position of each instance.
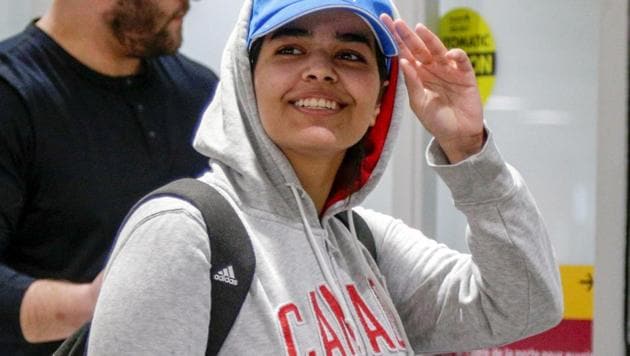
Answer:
(323, 266)
(331, 281)
(353, 231)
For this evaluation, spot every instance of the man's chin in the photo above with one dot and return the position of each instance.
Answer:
(159, 46)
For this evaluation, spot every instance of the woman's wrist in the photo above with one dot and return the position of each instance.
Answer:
(460, 149)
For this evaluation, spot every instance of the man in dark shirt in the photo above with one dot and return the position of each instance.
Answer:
(97, 108)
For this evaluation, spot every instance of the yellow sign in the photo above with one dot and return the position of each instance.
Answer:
(466, 29)
(577, 286)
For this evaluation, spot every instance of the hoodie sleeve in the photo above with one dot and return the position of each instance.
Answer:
(155, 298)
(508, 287)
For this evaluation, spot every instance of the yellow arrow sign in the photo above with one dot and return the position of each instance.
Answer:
(577, 286)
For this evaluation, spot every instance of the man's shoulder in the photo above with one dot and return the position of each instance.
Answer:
(8, 44)
(25, 41)
(22, 58)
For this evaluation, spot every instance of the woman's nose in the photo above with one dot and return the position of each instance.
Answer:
(320, 67)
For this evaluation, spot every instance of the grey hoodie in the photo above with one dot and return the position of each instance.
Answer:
(316, 290)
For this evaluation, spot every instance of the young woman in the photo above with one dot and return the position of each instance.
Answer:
(300, 130)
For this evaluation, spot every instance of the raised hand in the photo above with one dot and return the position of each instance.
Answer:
(443, 91)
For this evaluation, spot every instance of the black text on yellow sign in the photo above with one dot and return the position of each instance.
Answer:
(466, 29)
(484, 63)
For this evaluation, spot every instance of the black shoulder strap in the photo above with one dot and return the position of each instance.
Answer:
(233, 262)
(363, 231)
(75, 344)
(233, 259)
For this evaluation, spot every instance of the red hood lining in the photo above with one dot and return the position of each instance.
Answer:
(374, 142)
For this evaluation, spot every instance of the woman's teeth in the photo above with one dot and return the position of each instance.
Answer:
(313, 103)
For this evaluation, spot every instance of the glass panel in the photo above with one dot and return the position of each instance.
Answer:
(543, 113)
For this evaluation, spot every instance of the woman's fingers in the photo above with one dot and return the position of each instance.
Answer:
(431, 41)
(402, 48)
(414, 84)
(460, 58)
(423, 56)
(413, 42)
(410, 45)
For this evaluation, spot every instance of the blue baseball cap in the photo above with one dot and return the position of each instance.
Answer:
(269, 15)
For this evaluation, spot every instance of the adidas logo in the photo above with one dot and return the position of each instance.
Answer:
(226, 275)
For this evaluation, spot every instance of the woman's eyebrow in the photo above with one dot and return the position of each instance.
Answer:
(357, 37)
(289, 32)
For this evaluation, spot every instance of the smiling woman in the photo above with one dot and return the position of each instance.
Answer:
(317, 86)
(306, 84)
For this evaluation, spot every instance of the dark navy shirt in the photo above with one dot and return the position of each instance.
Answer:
(77, 149)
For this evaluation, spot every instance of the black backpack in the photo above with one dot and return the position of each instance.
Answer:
(232, 253)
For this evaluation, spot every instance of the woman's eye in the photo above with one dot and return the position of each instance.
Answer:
(351, 56)
(291, 51)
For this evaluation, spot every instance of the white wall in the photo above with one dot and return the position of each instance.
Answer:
(543, 112)
(206, 29)
(15, 15)
(612, 165)
(559, 112)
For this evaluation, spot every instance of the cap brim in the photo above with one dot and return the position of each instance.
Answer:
(299, 9)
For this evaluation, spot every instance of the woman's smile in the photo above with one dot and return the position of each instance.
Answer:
(317, 84)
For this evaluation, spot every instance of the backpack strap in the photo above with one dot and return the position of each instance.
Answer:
(75, 344)
(364, 234)
(231, 251)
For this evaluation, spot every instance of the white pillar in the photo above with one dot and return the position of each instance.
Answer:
(612, 158)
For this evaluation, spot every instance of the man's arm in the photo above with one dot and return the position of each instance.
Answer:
(52, 310)
(35, 310)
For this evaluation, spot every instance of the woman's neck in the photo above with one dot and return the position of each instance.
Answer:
(317, 176)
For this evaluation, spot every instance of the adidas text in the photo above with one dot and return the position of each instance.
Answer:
(226, 275)
(226, 279)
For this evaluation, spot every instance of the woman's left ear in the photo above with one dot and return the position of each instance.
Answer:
(377, 111)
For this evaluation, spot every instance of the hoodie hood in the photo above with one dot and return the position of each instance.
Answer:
(231, 135)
